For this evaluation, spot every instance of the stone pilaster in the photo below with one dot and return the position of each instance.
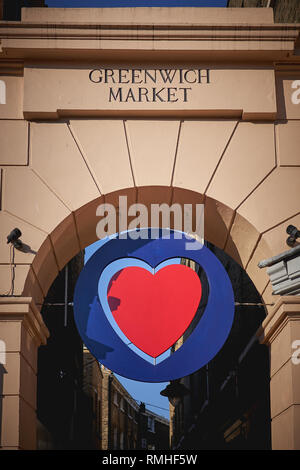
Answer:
(281, 331)
(22, 330)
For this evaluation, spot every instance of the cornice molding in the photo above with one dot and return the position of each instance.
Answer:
(24, 39)
(24, 309)
(286, 309)
(12, 67)
(214, 32)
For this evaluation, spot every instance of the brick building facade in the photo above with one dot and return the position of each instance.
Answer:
(119, 415)
(153, 430)
(92, 387)
(285, 11)
(10, 10)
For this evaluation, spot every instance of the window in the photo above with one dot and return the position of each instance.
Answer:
(115, 438)
(2, 92)
(144, 443)
(122, 404)
(116, 398)
(2, 352)
(122, 440)
(151, 424)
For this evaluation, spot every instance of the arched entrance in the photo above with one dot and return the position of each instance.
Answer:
(66, 151)
(78, 231)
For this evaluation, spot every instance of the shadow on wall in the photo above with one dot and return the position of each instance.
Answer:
(2, 372)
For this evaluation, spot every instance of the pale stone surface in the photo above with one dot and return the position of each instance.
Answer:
(19, 378)
(149, 15)
(27, 197)
(279, 329)
(10, 421)
(28, 383)
(276, 238)
(283, 431)
(24, 330)
(281, 349)
(283, 397)
(242, 240)
(281, 346)
(243, 167)
(31, 237)
(154, 195)
(75, 172)
(259, 276)
(11, 331)
(48, 143)
(65, 241)
(28, 352)
(200, 148)
(286, 306)
(182, 197)
(113, 199)
(104, 145)
(53, 92)
(269, 298)
(274, 201)
(285, 92)
(45, 266)
(19, 310)
(33, 289)
(21, 272)
(152, 147)
(217, 221)
(12, 109)
(86, 222)
(11, 377)
(220, 42)
(288, 142)
(14, 142)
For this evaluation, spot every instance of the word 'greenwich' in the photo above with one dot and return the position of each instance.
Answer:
(131, 79)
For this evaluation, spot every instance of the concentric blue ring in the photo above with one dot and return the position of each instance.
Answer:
(201, 346)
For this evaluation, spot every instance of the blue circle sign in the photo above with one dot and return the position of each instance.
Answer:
(206, 339)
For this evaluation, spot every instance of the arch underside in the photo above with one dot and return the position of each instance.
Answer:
(74, 166)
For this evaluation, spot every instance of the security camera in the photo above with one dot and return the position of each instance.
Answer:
(13, 238)
(294, 233)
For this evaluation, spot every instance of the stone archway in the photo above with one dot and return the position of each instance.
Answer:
(78, 230)
(158, 161)
(66, 148)
(44, 199)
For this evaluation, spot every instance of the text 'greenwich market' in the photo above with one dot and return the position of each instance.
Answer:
(147, 77)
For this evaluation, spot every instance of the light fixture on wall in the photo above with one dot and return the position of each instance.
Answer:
(13, 238)
(294, 233)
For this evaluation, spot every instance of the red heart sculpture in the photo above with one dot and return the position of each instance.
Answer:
(153, 311)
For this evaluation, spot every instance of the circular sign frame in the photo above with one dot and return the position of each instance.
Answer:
(205, 341)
